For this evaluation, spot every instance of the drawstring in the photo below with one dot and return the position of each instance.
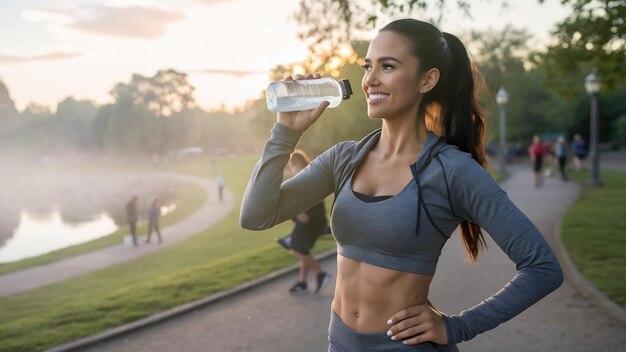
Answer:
(421, 203)
(419, 197)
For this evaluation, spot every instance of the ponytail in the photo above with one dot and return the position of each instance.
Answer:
(463, 123)
(453, 103)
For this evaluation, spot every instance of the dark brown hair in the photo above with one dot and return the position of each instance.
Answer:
(452, 103)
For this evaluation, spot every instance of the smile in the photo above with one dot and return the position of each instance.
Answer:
(376, 97)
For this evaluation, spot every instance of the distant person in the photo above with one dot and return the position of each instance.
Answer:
(537, 152)
(131, 217)
(219, 180)
(579, 149)
(561, 155)
(308, 227)
(154, 213)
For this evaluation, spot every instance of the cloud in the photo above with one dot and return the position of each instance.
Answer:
(209, 2)
(233, 73)
(126, 22)
(52, 56)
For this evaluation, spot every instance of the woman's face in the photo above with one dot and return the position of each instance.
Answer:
(390, 81)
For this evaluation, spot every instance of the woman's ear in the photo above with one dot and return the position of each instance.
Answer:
(429, 80)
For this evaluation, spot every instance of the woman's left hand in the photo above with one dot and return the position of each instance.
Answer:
(418, 324)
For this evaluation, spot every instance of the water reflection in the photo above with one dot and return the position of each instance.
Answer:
(76, 198)
(38, 234)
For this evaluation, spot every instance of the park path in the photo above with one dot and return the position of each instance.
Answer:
(268, 318)
(210, 213)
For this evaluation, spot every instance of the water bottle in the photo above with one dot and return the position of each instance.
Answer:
(306, 94)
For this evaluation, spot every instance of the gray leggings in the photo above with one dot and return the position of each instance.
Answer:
(343, 339)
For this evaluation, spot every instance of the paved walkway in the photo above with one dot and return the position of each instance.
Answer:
(211, 212)
(267, 318)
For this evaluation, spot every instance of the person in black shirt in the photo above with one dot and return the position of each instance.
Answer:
(131, 217)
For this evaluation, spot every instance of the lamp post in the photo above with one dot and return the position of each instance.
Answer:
(502, 98)
(592, 86)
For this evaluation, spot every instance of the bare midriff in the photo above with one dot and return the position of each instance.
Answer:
(366, 296)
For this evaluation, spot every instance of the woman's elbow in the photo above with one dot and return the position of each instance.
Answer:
(247, 222)
(251, 221)
(554, 278)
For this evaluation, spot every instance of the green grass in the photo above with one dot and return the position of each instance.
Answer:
(594, 233)
(191, 198)
(211, 261)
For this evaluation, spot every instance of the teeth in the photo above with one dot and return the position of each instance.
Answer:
(378, 96)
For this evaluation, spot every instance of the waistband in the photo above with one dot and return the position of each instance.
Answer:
(344, 339)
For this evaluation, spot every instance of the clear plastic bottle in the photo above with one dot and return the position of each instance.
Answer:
(297, 95)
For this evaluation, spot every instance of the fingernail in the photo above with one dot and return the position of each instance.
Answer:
(389, 322)
(389, 332)
(404, 342)
(393, 338)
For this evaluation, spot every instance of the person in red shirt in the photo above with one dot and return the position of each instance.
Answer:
(537, 152)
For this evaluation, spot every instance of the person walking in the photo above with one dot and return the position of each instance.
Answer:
(131, 218)
(579, 150)
(154, 213)
(219, 181)
(561, 155)
(308, 226)
(537, 152)
(400, 192)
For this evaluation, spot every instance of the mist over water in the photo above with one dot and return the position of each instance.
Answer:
(47, 207)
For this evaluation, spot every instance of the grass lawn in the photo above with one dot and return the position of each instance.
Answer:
(191, 198)
(594, 233)
(211, 261)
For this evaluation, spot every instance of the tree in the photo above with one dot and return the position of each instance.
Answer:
(592, 36)
(135, 121)
(329, 26)
(7, 106)
(163, 94)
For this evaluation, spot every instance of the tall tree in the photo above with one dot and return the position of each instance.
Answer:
(163, 94)
(329, 26)
(592, 36)
(7, 106)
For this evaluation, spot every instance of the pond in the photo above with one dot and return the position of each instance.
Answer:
(37, 234)
(49, 210)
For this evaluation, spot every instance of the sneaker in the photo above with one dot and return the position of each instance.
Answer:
(285, 242)
(322, 280)
(299, 287)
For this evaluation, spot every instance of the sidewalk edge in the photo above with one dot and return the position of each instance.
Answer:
(185, 308)
(582, 285)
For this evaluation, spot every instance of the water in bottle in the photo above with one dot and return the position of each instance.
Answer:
(296, 95)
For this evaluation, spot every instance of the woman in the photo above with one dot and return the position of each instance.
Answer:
(399, 194)
(537, 152)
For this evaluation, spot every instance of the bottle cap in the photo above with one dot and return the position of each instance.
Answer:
(346, 89)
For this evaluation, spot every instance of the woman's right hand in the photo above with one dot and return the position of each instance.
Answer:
(301, 120)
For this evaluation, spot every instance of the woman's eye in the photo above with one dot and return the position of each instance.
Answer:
(367, 67)
(387, 67)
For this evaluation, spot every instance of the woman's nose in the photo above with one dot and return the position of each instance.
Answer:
(372, 80)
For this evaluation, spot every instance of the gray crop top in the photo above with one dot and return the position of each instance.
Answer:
(397, 233)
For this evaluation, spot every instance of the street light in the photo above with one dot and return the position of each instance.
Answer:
(592, 86)
(502, 98)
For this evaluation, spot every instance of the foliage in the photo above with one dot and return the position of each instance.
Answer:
(165, 93)
(618, 137)
(592, 36)
(329, 26)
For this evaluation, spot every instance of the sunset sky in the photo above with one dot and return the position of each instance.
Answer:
(51, 49)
